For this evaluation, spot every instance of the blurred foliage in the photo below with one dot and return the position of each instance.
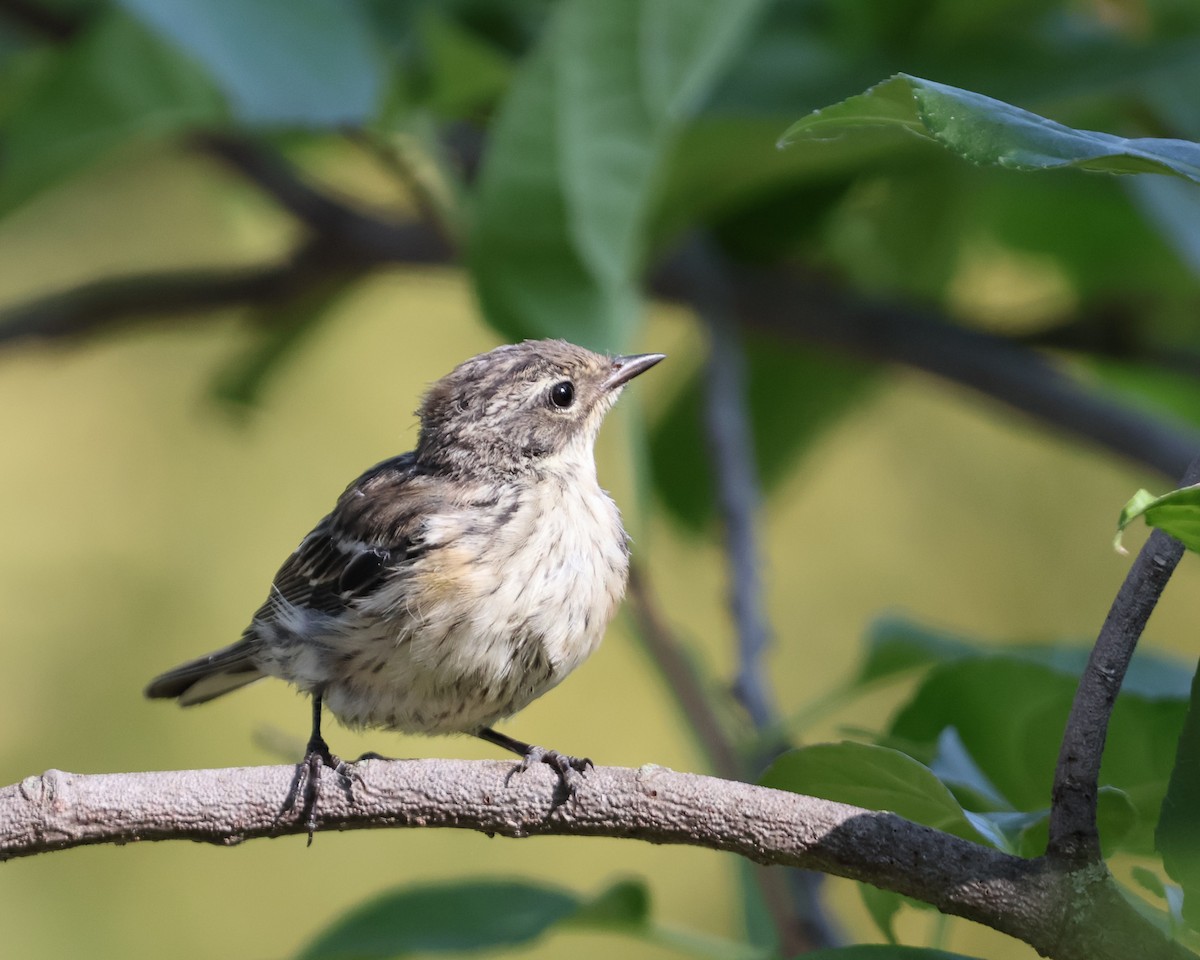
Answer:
(567, 150)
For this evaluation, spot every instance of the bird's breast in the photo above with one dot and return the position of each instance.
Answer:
(545, 566)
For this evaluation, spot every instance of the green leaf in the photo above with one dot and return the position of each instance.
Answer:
(1020, 832)
(757, 926)
(115, 83)
(477, 915)
(877, 778)
(821, 388)
(1177, 836)
(1010, 713)
(574, 156)
(286, 327)
(1171, 894)
(623, 906)
(466, 72)
(883, 906)
(957, 769)
(1176, 513)
(306, 63)
(991, 132)
(473, 915)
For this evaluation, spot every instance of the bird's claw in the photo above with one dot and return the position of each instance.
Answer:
(308, 781)
(570, 770)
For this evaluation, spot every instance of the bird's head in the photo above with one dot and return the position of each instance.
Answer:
(535, 405)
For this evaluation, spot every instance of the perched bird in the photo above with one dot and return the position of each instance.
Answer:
(451, 585)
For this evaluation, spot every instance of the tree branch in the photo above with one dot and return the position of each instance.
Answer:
(1113, 332)
(777, 300)
(1068, 914)
(1074, 835)
(786, 304)
(800, 924)
(693, 699)
(106, 305)
(731, 451)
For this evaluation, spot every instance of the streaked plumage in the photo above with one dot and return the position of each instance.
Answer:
(451, 585)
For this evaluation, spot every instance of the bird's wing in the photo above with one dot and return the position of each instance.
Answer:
(371, 533)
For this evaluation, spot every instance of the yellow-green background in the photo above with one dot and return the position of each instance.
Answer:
(142, 522)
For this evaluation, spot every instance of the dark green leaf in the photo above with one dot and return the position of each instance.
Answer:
(494, 914)
(820, 388)
(1170, 893)
(987, 131)
(1026, 833)
(758, 926)
(306, 63)
(1176, 513)
(877, 778)
(473, 915)
(622, 907)
(1177, 837)
(466, 73)
(437, 919)
(286, 328)
(882, 905)
(1010, 713)
(957, 769)
(115, 83)
(1150, 881)
(1022, 833)
(574, 155)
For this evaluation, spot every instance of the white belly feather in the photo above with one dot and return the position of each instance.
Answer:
(483, 624)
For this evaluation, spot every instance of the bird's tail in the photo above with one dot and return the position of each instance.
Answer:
(199, 681)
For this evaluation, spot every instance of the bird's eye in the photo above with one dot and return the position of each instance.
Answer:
(562, 394)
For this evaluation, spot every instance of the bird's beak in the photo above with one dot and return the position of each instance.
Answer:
(625, 369)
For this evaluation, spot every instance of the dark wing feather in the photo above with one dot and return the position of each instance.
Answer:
(372, 532)
(374, 529)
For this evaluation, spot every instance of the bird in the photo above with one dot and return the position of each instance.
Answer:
(452, 585)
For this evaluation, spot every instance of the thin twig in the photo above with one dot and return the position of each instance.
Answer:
(786, 304)
(1070, 915)
(348, 233)
(794, 927)
(778, 302)
(399, 164)
(689, 692)
(1074, 835)
(103, 306)
(1114, 332)
(731, 449)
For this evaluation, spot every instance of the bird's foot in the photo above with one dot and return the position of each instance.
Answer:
(307, 783)
(570, 770)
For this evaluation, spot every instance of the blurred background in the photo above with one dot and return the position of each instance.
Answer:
(238, 240)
